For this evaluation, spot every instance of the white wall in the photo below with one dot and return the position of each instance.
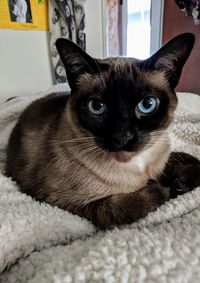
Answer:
(94, 28)
(24, 55)
(24, 63)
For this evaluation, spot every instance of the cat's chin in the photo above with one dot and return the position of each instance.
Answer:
(123, 156)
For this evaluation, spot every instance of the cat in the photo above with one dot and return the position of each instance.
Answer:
(103, 152)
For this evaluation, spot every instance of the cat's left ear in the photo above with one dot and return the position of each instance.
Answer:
(171, 58)
(76, 61)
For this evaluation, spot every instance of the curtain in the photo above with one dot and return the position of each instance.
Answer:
(113, 27)
(67, 20)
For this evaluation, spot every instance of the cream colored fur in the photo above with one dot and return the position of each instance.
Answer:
(94, 168)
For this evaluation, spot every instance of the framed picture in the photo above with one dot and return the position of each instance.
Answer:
(24, 14)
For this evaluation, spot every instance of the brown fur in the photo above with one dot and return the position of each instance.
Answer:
(55, 159)
(78, 176)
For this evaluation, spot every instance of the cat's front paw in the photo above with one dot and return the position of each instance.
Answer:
(181, 174)
(187, 178)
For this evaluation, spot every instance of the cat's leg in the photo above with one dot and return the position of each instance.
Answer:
(181, 174)
(124, 208)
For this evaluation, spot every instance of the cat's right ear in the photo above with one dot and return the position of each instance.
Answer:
(171, 58)
(76, 61)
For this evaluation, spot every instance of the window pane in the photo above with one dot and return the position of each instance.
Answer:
(138, 32)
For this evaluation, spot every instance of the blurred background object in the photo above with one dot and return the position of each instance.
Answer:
(134, 28)
(190, 8)
(67, 20)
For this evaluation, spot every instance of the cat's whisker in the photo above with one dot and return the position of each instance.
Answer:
(75, 142)
(156, 139)
(83, 150)
(157, 135)
(81, 139)
(158, 143)
(83, 146)
(175, 158)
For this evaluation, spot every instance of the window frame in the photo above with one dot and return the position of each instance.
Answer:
(156, 22)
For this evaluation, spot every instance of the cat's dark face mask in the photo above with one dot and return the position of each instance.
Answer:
(124, 102)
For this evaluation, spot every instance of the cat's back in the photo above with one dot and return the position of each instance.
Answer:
(35, 127)
(44, 109)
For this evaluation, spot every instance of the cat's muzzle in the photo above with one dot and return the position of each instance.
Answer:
(122, 139)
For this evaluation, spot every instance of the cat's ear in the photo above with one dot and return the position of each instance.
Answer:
(76, 61)
(171, 58)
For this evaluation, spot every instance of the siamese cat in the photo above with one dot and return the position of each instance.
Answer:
(103, 152)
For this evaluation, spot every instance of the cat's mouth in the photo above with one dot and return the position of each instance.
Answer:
(122, 153)
(123, 156)
(122, 150)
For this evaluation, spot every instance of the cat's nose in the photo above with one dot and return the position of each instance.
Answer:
(120, 140)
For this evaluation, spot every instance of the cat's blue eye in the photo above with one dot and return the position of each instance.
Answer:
(148, 105)
(96, 107)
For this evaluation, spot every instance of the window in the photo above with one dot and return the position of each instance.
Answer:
(138, 28)
(143, 22)
(132, 28)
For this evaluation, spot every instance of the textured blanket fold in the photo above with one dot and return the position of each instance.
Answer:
(40, 243)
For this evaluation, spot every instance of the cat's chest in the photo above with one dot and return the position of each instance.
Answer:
(127, 177)
(93, 177)
(114, 178)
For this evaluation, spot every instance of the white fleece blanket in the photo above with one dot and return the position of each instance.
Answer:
(43, 244)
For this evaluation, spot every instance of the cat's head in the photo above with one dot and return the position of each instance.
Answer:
(124, 102)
